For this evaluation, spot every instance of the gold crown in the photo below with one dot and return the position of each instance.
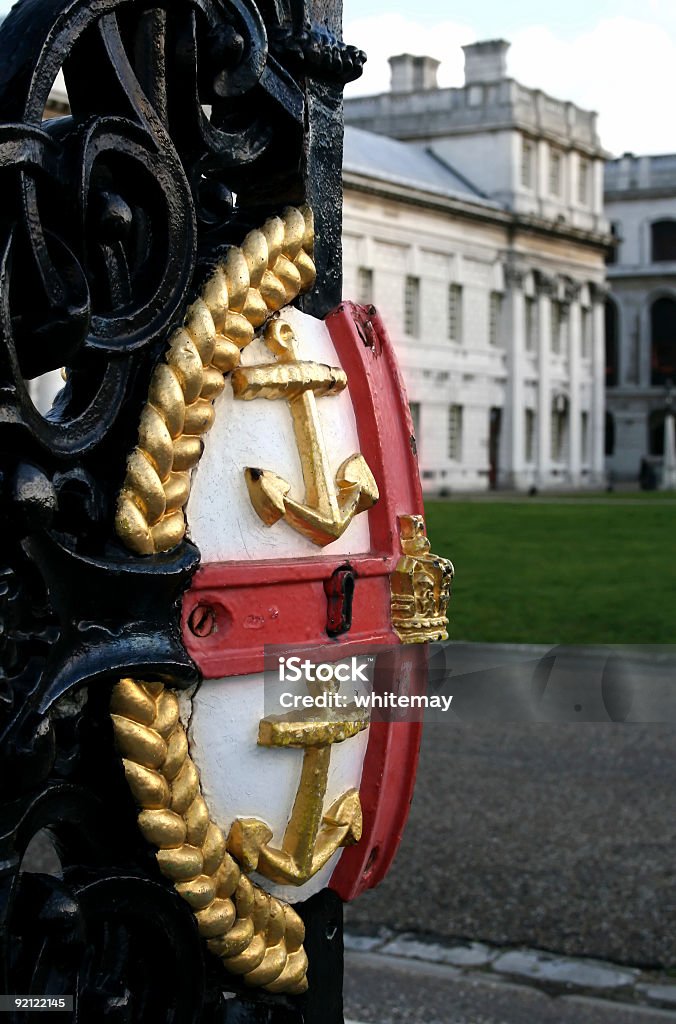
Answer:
(420, 587)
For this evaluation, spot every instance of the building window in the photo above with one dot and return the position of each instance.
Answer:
(527, 160)
(412, 306)
(365, 286)
(455, 432)
(584, 437)
(559, 428)
(494, 317)
(583, 178)
(554, 173)
(455, 312)
(663, 342)
(614, 248)
(558, 326)
(612, 341)
(530, 435)
(664, 241)
(586, 333)
(531, 323)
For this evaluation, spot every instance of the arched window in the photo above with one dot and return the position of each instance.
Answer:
(611, 343)
(610, 434)
(663, 241)
(663, 341)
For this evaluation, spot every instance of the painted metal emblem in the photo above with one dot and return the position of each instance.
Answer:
(307, 511)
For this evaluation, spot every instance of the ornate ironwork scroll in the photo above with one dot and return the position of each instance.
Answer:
(192, 122)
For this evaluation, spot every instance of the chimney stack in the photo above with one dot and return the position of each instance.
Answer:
(486, 62)
(410, 74)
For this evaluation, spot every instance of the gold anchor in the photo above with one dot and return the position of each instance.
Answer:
(311, 836)
(329, 506)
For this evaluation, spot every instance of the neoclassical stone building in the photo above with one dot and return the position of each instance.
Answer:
(473, 220)
(641, 313)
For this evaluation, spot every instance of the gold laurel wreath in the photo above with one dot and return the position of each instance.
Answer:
(254, 934)
(270, 269)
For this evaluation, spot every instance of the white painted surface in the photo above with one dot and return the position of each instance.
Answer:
(259, 433)
(241, 779)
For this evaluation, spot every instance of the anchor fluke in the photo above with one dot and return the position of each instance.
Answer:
(267, 492)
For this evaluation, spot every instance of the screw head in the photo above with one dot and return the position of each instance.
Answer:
(202, 620)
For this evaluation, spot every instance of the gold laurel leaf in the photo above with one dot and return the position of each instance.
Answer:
(184, 359)
(142, 479)
(162, 828)
(155, 440)
(131, 524)
(255, 249)
(197, 821)
(131, 700)
(272, 291)
(213, 848)
(177, 752)
(150, 789)
(184, 788)
(212, 383)
(166, 394)
(199, 323)
(237, 939)
(199, 892)
(215, 294)
(237, 278)
(169, 531)
(176, 491)
(255, 309)
(216, 919)
(138, 742)
(187, 452)
(273, 231)
(199, 417)
(270, 968)
(166, 717)
(250, 958)
(181, 864)
(294, 231)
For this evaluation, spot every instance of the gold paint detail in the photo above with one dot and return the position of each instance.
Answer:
(256, 936)
(312, 835)
(329, 506)
(420, 587)
(272, 267)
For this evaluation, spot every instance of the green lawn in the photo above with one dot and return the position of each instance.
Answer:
(536, 572)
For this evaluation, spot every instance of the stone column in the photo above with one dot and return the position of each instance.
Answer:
(513, 464)
(546, 290)
(599, 295)
(572, 295)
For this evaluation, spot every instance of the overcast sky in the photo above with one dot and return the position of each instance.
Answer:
(617, 57)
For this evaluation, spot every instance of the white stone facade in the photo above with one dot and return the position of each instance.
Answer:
(641, 206)
(503, 350)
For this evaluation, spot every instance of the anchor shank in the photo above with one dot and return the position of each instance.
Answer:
(306, 817)
(320, 491)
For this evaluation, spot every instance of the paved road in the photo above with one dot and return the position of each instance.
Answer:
(380, 992)
(560, 837)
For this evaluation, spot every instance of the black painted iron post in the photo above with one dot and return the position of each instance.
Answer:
(110, 218)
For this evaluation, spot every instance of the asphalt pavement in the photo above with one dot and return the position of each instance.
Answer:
(558, 837)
